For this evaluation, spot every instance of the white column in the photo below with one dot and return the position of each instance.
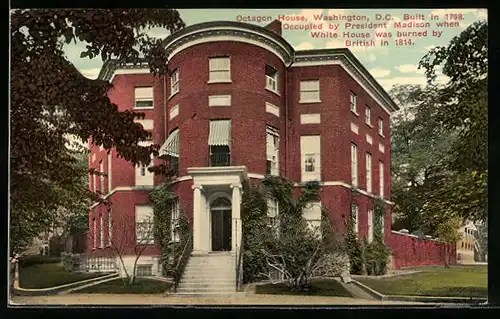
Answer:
(204, 224)
(197, 215)
(236, 216)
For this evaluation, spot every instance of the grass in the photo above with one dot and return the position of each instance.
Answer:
(319, 287)
(142, 286)
(47, 275)
(456, 281)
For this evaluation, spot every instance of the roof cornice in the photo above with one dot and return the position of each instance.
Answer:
(220, 29)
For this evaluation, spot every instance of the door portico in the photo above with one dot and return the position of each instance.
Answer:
(212, 185)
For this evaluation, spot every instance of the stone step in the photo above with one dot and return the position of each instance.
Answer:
(196, 286)
(213, 277)
(205, 291)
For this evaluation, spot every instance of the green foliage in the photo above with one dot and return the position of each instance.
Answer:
(163, 199)
(463, 108)
(355, 248)
(377, 252)
(50, 100)
(295, 248)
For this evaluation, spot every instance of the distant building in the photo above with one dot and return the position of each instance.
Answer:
(467, 244)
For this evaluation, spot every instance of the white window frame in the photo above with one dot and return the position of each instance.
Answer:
(94, 182)
(148, 224)
(381, 127)
(110, 227)
(144, 99)
(146, 179)
(354, 164)
(101, 177)
(382, 223)
(315, 99)
(142, 267)
(272, 82)
(110, 182)
(174, 221)
(381, 178)
(273, 151)
(369, 177)
(174, 82)
(307, 155)
(94, 235)
(214, 69)
(368, 116)
(353, 103)
(369, 214)
(273, 213)
(101, 226)
(355, 211)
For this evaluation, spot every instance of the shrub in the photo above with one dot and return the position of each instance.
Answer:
(37, 259)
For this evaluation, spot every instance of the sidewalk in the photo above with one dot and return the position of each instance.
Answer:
(133, 299)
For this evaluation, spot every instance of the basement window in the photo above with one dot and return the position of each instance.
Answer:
(144, 270)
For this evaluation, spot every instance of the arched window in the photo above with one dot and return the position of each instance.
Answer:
(220, 203)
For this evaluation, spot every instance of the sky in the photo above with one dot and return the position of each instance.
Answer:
(389, 65)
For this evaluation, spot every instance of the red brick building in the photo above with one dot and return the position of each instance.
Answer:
(239, 102)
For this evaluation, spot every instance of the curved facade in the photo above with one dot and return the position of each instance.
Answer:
(240, 103)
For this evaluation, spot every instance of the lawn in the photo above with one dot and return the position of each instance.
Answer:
(319, 287)
(456, 281)
(46, 275)
(142, 286)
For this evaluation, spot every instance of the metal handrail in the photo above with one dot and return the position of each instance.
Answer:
(181, 263)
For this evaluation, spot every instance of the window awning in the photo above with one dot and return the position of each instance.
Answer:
(171, 145)
(220, 133)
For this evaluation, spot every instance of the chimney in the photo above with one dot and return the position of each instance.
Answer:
(275, 27)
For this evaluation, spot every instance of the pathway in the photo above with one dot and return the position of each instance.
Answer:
(241, 299)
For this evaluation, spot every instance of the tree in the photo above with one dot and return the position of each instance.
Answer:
(296, 249)
(51, 99)
(463, 107)
(420, 146)
(446, 230)
(481, 238)
(130, 237)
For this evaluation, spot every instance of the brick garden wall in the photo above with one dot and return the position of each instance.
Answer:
(412, 251)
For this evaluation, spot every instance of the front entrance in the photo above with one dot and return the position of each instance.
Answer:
(220, 210)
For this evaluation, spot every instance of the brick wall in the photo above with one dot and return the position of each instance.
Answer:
(411, 251)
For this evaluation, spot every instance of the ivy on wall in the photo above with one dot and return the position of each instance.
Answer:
(376, 251)
(163, 199)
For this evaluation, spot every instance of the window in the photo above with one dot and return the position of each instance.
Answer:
(354, 107)
(370, 225)
(272, 214)
(110, 184)
(219, 69)
(309, 91)
(381, 177)
(310, 149)
(310, 118)
(312, 215)
(219, 141)
(271, 78)
(94, 182)
(381, 127)
(368, 172)
(144, 97)
(101, 177)
(110, 227)
(143, 177)
(174, 82)
(354, 164)
(355, 211)
(144, 224)
(368, 116)
(273, 151)
(101, 226)
(94, 235)
(174, 220)
(382, 224)
(144, 270)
